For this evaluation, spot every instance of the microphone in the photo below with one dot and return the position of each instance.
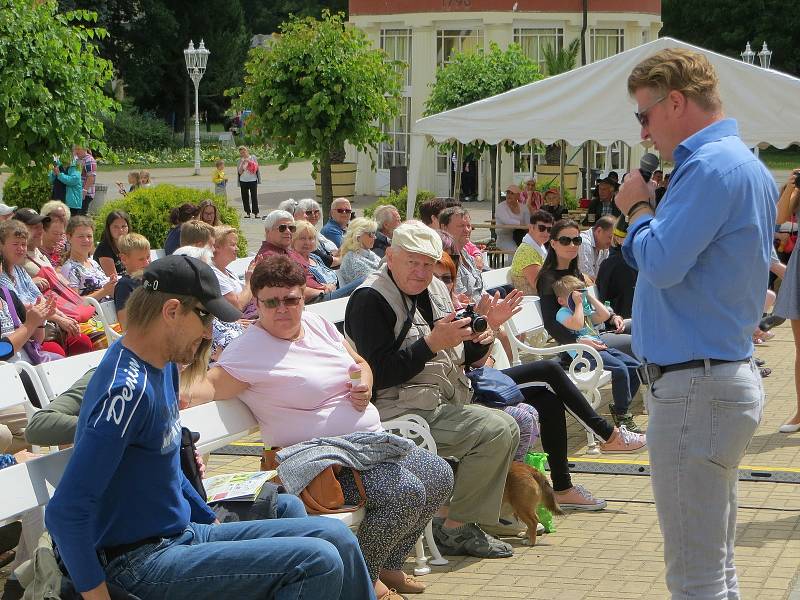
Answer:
(647, 165)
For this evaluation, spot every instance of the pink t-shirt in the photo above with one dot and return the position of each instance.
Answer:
(472, 249)
(297, 389)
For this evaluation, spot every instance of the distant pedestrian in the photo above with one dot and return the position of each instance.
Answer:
(219, 178)
(88, 168)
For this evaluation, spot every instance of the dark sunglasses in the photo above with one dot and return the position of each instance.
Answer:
(274, 303)
(543, 228)
(283, 227)
(566, 241)
(311, 213)
(641, 116)
(204, 316)
(446, 278)
(344, 211)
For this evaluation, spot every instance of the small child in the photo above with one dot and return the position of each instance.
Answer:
(579, 313)
(134, 252)
(218, 178)
(144, 179)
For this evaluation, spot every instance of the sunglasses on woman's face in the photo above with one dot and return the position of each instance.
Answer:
(543, 228)
(446, 279)
(566, 241)
(283, 227)
(311, 213)
(274, 303)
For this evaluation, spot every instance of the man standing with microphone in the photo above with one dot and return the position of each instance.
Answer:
(703, 263)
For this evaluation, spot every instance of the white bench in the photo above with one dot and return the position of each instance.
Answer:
(332, 310)
(587, 379)
(496, 277)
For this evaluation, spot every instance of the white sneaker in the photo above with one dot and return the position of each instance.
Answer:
(624, 441)
(579, 498)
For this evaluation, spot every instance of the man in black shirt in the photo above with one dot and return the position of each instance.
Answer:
(616, 279)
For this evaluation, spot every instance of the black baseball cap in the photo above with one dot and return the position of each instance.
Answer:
(189, 276)
(29, 216)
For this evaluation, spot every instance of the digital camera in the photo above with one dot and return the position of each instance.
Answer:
(478, 322)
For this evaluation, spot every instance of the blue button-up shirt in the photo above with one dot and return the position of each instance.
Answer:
(703, 259)
(334, 232)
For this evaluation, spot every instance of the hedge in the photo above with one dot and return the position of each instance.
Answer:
(149, 210)
(398, 200)
(33, 195)
(133, 129)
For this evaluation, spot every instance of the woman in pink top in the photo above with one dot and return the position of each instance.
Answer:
(291, 368)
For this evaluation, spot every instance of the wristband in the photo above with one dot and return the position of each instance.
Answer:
(637, 206)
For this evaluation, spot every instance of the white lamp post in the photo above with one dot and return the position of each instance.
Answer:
(196, 59)
(765, 56)
(748, 55)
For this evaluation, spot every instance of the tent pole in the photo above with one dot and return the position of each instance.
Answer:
(496, 199)
(561, 158)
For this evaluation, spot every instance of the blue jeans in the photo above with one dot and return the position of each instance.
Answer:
(701, 421)
(290, 507)
(344, 291)
(311, 557)
(624, 378)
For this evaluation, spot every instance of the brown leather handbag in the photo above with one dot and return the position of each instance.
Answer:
(323, 495)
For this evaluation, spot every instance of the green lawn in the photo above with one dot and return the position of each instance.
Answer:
(781, 159)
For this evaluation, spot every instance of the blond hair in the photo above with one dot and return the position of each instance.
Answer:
(197, 232)
(131, 242)
(566, 285)
(52, 205)
(355, 230)
(303, 227)
(685, 71)
(223, 231)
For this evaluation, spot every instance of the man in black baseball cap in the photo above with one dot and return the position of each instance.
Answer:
(29, 216)
(124, 513)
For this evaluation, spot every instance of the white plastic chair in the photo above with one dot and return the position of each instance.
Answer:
(332, 310)
(496, 277)
(59, 375)
(107, 314)
(239, 266)
(586, 378)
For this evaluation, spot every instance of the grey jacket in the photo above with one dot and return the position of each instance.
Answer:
(301, 463)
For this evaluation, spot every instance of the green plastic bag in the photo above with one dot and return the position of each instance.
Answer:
(537, 460)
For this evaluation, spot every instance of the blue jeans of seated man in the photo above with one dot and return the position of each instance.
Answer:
(700, 422)
(344, 291)
(302, 558)
(290, 507)
(625, 380)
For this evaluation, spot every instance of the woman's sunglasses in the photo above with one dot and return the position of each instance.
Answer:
(543, 228)
(566, 241)
(311, 213)
(274, 303)
(343, 211)
(283, 227)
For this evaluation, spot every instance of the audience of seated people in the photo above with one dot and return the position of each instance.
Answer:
(456, 221)
(118, 223)
(338, 222)
(82, 272)
(134, 252)
(208, 213)
(54, 240)
(616, 279)
(358, 259)
(603, 205)
(388, 218)
(309, 210)
(178, 216)
(530, 196)
(594, 248)
(304, 242)
(530, 254)
(552, 204)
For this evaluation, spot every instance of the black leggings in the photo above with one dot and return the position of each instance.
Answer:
(249, 191)
(551, 407)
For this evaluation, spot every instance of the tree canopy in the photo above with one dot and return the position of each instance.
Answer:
(319, 85)
(52, 88)
(725, 26)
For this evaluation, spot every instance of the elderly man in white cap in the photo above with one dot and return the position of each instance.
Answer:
(402, 321)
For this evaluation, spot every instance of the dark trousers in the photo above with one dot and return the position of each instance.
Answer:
(84, 209)
(249, 191)
(551, 407)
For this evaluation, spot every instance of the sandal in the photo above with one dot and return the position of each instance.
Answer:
(411, 585)
(392, 595)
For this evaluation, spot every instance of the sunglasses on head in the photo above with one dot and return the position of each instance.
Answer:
(276, 302)
(283, 227)
(204, 316)
(641, 116)
(446, 278)
(566, 241)
(344, 211)
(543, 228)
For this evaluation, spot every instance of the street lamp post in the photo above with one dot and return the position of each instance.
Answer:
(196, 59)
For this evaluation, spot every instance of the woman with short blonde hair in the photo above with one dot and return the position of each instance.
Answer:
(358, 259)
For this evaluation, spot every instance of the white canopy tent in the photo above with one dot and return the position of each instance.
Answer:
(592, 103)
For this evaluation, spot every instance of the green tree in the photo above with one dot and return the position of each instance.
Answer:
(556, 62)
(321, 84)
(51, 91)
(725, 26)
(473, 76)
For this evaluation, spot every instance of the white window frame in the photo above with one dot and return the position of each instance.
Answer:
(460, 36)
(394, 153)
(606, 35)
(389, 37)
(533, 158)
(620, 151)
(537, 39)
